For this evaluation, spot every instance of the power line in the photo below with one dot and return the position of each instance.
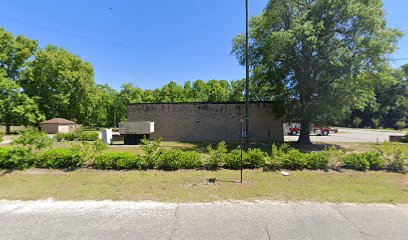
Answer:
(398, 59)
(108, 42)
(125, 45)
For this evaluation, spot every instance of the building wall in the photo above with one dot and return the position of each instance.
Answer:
(66, 128)
(49, 128)
(53, 128)
(212, 122)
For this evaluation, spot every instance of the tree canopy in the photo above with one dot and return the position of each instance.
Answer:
(62, 83)
(16, 108)
(312, 57)
(15, 53)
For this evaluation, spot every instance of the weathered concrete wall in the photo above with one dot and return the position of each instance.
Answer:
(53, 128)
(212, 122)
(49, 128)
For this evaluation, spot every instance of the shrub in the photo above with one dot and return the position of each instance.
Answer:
(233, 159)
(15, 158)
(66, 137)
(376, 122)
(91, 150)
(400, 124)
(317, 160)
(190, 160)
(357, 122)
(357, 161)
(88, 136)
(255, 158)
(174, 159)
(277, 155)
(33, 138)
(116, 161)
(77, 135)
(282, 150)
(59, 137)
(151, 149)
(399, 163)
(374, 159)
(293, 160)
(395, 156)
(61, 158)
(168, 159)
(217, 155)
(288, 158)
(334, 158)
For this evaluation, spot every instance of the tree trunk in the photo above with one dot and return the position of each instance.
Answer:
(304, 138)
(8, 129)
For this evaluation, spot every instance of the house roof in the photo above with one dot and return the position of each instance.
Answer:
(59, 121)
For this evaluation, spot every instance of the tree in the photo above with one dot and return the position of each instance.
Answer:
(200, 91)
(237, 91)
(15, 53)
(103, 113)
(62, 84)
(16, 108)
(390, 100)
(127, 95)
(310, 55)
(172, 93)
(218, 91)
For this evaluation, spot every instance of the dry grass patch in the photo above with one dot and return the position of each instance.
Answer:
(193, 186)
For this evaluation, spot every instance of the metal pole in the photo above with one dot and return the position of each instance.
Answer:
(242, 131)
(247, 78)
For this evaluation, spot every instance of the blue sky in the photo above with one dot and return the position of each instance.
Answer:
(162, 40)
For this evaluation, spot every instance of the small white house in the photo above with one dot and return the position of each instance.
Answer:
(58, 125)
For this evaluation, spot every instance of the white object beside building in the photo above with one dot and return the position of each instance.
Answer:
(107, 136)
(136, 128)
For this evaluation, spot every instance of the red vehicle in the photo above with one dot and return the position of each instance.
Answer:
(314, 129)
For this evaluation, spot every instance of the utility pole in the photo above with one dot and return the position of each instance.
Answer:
(247, 79)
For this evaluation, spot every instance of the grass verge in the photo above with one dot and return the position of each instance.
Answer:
(193, 186)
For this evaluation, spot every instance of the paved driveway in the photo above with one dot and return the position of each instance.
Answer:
(352, 135)
(146, 220)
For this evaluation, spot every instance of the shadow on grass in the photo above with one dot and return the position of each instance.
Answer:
(5, 172)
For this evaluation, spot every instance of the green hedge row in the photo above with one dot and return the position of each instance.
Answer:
(71, 158)
(389, 157)
(81, 136)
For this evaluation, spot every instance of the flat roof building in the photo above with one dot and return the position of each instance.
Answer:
(208, 122)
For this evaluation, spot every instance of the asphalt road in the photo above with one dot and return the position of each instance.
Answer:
(353, 135)
(149, 220)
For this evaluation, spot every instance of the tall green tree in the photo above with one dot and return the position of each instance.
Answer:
(171, 93)
(218, 91)
(127, 95)
(237, 91)
(15, 53)
(311, 54)
(103, 113)
(62, 84)
(390, 102)
(16, 108)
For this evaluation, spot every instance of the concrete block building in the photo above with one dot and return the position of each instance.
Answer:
(58, 125)
(208, 122)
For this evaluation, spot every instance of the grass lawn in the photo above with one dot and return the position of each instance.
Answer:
(193, 186)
